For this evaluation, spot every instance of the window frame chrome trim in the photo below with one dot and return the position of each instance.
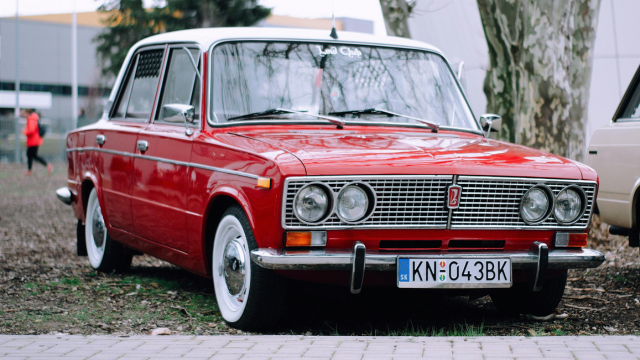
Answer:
(168, 161)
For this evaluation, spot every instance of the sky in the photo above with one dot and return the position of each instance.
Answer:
(360, 9)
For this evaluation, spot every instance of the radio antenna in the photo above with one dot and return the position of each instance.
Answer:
(334, 33)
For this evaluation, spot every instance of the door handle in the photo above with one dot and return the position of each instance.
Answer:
(143, 145)
(100, 139)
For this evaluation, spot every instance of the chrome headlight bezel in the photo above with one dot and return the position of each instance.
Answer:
(551, 205)
(583, 204)
(327, 212)
(371, 202)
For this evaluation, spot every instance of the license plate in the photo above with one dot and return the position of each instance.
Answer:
(490, 272)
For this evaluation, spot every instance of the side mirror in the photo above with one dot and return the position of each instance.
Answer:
(490, 123)
(177, 113)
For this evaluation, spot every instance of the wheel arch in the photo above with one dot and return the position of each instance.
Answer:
(89, 182)
(216, 207)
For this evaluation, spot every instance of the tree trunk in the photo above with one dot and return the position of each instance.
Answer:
(396, 13)
(541, 52)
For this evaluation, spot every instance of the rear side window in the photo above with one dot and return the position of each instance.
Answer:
(181, 82)
(136, 101)
(632, 111)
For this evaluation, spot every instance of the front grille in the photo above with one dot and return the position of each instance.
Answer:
(487, 202)
(401, 201)
(419, 202)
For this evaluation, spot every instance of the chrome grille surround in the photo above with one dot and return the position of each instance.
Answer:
(402, 201)
(419, 202)
(494, 203)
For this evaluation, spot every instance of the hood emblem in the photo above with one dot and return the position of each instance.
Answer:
(453, 196)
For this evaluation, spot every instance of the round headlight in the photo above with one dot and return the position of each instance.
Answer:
(536, 204)
(353, 203)
(569, 205)
(311, 204)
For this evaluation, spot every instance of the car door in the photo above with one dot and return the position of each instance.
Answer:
(614, 152)
(117, 139)
(161, 164)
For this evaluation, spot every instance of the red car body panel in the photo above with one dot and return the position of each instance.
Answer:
(376, 150)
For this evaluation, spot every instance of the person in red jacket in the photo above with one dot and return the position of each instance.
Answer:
(32, 131)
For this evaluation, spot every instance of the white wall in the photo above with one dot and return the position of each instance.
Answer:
(454, 26)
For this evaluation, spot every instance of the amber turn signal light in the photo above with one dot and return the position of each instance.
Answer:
(264, 183)
(306, 238)
(564, 239)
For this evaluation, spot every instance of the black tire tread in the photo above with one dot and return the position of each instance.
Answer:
(521, 300)
(267, 292)
(116, 258)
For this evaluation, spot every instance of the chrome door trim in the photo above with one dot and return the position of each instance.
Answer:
(168, 161)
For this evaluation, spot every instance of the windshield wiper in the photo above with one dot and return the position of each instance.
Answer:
(374, 111)
(334, 120)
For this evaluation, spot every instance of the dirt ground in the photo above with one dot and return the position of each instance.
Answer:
(46, 289)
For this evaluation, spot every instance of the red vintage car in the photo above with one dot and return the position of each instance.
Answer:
(252, 156)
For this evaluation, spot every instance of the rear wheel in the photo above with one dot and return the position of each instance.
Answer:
(104, 253)
(520, 299)
(249, 297)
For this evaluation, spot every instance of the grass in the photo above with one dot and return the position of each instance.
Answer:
(455, 329)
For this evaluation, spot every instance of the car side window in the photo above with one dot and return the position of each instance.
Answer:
(632, 111)
(181, 82)
(123, 101)
(141, 85)
(145, 84)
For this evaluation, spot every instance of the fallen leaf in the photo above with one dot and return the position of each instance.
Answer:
(161, 331)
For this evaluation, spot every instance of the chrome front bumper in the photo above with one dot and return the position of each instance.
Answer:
(279, 259)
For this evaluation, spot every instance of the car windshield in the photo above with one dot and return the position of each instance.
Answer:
(339, 80)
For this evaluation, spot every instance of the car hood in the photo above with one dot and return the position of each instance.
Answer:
(344, 152)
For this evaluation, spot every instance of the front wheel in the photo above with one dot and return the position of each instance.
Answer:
(104, 254)
(520, 299)
(249, 297)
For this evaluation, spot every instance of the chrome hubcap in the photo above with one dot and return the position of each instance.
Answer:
(234, 267)
(98, 228)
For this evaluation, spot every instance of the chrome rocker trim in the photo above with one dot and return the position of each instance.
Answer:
(343, 259)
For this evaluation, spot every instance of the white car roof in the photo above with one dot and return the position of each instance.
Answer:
(208, 36)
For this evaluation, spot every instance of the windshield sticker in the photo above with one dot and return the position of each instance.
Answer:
(344, 50)
(330, 51)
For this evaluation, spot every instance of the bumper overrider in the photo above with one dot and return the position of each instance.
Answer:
(538, 258)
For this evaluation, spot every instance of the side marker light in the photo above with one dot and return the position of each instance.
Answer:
(264, 183)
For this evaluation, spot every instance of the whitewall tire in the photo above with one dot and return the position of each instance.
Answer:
(104, 253)
(249, 297)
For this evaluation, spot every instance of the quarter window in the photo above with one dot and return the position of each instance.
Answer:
(632, 111)
(141, 86)
(181, 84)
